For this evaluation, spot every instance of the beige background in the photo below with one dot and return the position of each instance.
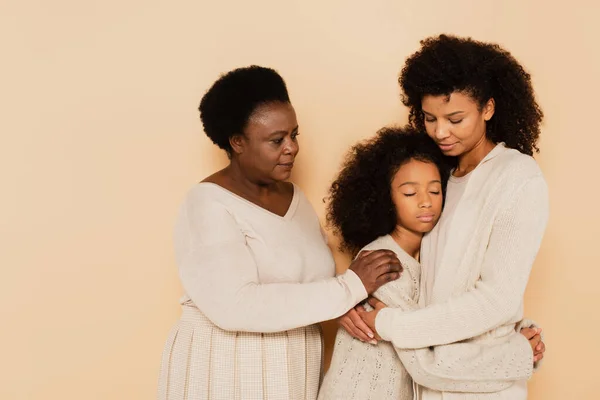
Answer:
(101, 139)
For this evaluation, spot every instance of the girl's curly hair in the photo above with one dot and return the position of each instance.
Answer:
(360, 207)
(445, 64)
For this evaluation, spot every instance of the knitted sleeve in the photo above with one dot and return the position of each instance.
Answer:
(472, 367)
(220, 275)
(497, 297)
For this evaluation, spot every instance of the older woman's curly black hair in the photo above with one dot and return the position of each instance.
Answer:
(229, 103)
(446, 64)
(360, 205)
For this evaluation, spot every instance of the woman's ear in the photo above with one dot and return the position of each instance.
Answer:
(237, 143)
(489, 109)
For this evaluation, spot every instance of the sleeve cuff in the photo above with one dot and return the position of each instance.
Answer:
(383, 323)
(355, 285)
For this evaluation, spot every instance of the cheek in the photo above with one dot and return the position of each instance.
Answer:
(267, 156)
(404, 207)
(470, 131)
(436, 204)
(430, 129)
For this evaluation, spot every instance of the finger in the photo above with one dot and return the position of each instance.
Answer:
(386, 265)
(364, 253)
(357, 333)
(376, 303)
(540, 348)
(359, 307)
(348, 329)
(359, 325)
(343, 320)
(387, 277)
(528, 332)
(534, 342)
(383, 259)
(378, 254)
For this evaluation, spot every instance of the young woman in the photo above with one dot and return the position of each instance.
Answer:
(477, 103)
(387, 196)
(257, 273)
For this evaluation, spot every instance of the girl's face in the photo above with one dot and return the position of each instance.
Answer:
(456, 122)
(417, 195)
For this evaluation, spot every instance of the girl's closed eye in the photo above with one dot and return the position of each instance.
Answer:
(409, 194)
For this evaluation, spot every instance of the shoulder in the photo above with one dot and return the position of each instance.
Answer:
(386, 242)
(209, 202)
(300, 197)
(205, 193)
(514, 164)
(506, 173)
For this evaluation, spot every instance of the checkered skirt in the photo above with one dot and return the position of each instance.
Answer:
(203, 362)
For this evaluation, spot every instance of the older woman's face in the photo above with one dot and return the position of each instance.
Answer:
(270, 143)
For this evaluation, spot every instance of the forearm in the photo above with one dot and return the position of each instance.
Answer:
(469, 366)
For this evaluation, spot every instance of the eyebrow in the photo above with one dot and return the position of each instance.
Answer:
(284, 132)
(447, 115)
(416, 183)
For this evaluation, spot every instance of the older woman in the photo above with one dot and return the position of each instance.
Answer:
(253, 260)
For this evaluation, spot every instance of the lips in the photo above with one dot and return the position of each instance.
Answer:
(286, 165)
(426, 217)
(446, 146)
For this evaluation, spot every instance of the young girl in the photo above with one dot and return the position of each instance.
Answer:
(387, 196)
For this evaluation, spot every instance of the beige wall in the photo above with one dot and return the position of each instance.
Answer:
(100, 139)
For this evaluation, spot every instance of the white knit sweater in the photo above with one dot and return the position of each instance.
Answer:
(477, 297)
(362, 371)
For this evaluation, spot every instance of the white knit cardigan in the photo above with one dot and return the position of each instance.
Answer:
(477, 297)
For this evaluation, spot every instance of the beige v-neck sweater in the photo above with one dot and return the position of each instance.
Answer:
(256, 285)
(477, 296)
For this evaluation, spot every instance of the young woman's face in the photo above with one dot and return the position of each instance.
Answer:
(269, 145)
(417, 195)
(456, 122)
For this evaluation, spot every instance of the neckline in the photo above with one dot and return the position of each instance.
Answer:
(460, 179)
(391, 239)
(493, 153)
(287, 216)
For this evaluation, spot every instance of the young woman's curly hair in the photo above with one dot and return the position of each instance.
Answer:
(445, 64)
(360, 207)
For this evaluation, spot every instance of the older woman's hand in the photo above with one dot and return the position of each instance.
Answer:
(376, 267)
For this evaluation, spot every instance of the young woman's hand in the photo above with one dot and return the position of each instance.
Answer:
(355, 326)
(535, 340)
(360, 323)
(368, 317)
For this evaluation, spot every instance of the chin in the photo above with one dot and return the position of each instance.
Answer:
(451, 153)
(281, 177)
